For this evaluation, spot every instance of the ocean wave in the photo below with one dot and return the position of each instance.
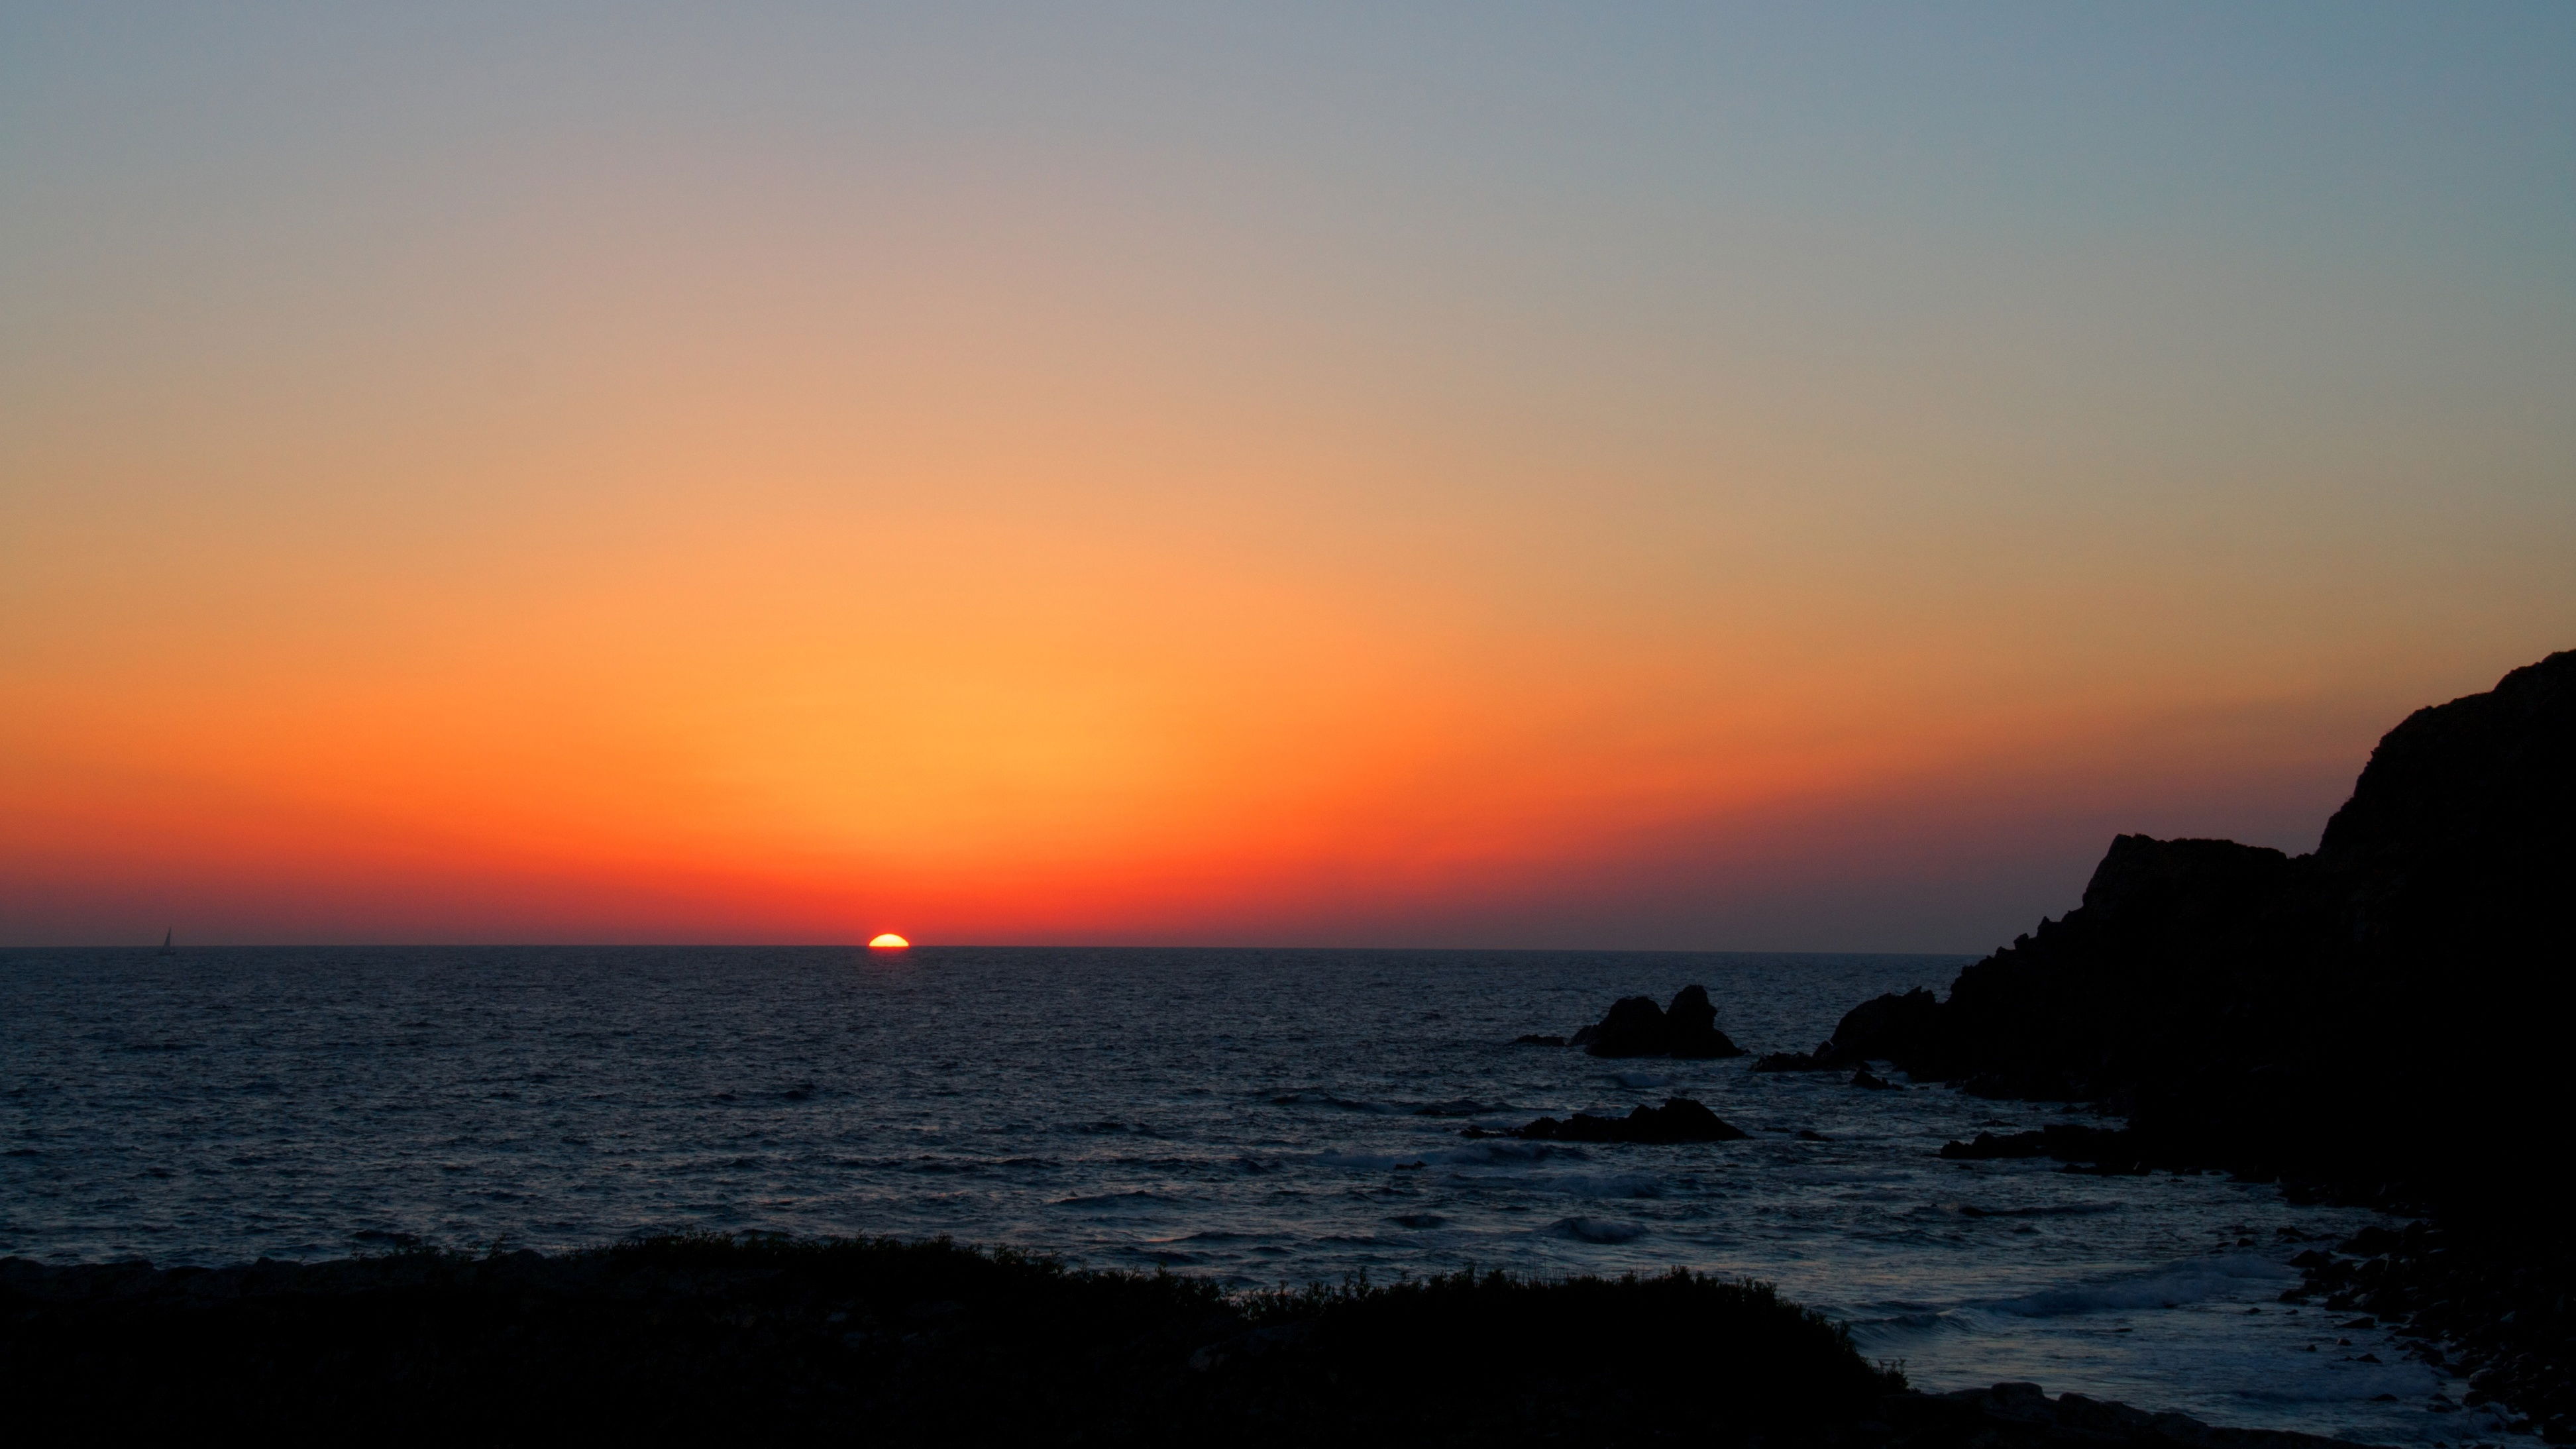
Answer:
(938, 1165)
(1134, 1199)
(1462, 1155)
(1515, 1154)
(1598, 1230)
(2334, 1382)
(1460, 1107)
(1604, 1184)
(1159, 1257)
(2045, 1210)
(2167, 1287)
(1909, 1321)
(1326, 1099)
(1374, 1161)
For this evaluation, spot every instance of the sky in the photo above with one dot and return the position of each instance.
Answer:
(1657, 476)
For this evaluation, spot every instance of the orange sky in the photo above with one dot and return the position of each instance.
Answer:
(676, 493)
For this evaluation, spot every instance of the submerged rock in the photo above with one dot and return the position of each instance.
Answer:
(2063, 1142)
(1827, 1057)
(1679, 1120)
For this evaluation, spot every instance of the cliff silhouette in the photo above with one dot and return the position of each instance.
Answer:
(2382, 1020)
(2380, 1017)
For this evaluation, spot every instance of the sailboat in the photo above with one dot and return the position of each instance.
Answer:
(166, 948)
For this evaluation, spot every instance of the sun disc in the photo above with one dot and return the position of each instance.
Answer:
(888, 942)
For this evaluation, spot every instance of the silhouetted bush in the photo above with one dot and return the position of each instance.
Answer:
(889, 1342)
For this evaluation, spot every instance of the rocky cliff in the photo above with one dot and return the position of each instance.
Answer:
(2380, 1017)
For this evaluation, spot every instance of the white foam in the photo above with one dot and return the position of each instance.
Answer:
(2171, 1286)
(1598, 1230)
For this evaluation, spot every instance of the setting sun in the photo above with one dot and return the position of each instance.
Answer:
(888, 942)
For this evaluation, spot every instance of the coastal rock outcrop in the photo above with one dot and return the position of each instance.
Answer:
(2381, 1019)
(1880, 1029)
(2349, 1017)
(1636, 1027)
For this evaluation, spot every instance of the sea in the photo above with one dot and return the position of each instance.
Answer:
(1257, 1117)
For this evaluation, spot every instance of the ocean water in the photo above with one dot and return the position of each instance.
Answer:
(1253, 1116)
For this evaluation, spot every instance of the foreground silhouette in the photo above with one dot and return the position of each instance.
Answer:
(880, 1342)
(2383, 1020)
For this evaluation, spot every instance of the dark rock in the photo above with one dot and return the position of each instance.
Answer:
(1863, 1078)
(1988, 1145)
(2219, 993)
(2022, 1416)
(1690, 1026)
(1636, 1027)
(1825, 1058)
(2066, 1143)
(1679, 1120)
(1884, 1028)
(2342, 1022)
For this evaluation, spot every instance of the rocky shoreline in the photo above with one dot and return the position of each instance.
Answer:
(2378, 1022)
(931, 1343)
(2492, 1309)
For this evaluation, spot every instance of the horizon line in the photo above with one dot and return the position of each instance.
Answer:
(862, 946)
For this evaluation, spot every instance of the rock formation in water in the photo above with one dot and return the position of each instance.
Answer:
(1636, 1027)
(1872, 1031)
(1679, 1120)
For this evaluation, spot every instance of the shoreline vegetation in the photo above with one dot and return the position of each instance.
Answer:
(756, 1338)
